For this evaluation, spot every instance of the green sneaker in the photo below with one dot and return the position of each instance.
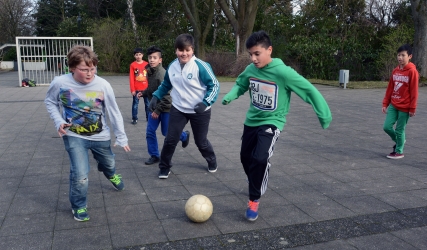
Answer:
(81, 214)
(117, 182)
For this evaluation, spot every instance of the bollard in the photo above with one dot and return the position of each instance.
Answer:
(344, 74)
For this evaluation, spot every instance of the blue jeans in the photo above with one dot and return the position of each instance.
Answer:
(152, 125)
(135, 103)
(77, 149)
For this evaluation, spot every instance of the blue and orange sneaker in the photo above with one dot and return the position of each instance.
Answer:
(252, 211)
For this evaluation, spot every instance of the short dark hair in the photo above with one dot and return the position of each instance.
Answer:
(154, 49)
(138, 50)
(183, 41)
(258, 38)
(405, 47)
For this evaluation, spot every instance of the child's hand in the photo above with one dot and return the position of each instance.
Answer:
(133, 93)
(411, 114)
(154, 115)
(384, 110)
(125, 148)
(200, 108)
(61, 130)
(139, 95)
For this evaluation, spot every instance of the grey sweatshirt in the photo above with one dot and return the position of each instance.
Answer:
(84, 107)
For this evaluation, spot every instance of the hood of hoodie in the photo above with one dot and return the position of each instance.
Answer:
(274, 63)
(407, 67)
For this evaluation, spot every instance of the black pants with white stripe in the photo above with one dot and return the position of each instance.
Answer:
(256, 151)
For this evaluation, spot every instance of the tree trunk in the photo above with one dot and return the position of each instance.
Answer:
(133, 21)
(192, 14)
(419, 14)
(242, 19)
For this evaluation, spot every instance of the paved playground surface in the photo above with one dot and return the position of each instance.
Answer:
(328, 189)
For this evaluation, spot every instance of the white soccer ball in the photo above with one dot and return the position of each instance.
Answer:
(198, 208)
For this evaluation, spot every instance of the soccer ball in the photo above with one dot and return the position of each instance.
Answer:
(198, 208)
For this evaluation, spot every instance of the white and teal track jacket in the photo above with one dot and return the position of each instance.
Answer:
(193, 83)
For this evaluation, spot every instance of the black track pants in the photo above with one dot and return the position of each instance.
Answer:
(256, 151)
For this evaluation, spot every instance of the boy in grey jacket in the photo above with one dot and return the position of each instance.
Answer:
(84, 98)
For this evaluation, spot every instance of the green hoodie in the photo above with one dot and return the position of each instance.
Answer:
(270, 91)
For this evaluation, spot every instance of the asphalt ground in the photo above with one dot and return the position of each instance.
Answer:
(328, 189)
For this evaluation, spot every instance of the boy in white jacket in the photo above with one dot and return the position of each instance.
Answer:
(194, 89)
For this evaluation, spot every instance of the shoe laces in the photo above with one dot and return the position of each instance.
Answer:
(253, 205)
(116, 179)
(81, 210)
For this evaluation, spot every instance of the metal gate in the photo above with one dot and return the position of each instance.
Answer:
(43, 58)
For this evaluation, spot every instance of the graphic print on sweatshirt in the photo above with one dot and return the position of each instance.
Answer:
(140, 76)
(83, 110)
(399, 80)
(264, 94)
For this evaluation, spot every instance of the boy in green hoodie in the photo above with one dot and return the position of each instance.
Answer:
(270, 83)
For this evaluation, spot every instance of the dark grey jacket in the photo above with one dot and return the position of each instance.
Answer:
(155, 78)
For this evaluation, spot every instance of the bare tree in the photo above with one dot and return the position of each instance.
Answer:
(241, 15)
(419, 14)
(15, 19)
(200, 29)
(380, 12)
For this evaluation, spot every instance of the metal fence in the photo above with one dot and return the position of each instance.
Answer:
(43, 58)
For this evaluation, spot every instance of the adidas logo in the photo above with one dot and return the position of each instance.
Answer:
(269, 131)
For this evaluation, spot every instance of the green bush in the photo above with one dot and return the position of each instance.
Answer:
(114, 43)
(10, 55)
(387, 58)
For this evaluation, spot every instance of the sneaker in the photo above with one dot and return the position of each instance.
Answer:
(212, 166)
(164, 173)
(252, 211)
(117, 182)
(134, 122)
(152, 160)
(395, 156)
(187, 141)
(81, 214)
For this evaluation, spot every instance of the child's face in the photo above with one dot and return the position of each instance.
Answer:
(154, 59)
(83, 74)
(403, 58)
(184, 55)
(260, 56)
(138, 57)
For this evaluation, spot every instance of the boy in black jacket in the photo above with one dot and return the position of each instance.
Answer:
(155, 74)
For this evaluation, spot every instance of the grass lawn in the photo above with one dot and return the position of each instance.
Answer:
(350, 85)
(353, 84)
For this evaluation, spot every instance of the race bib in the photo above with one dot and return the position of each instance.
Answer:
(264, 94)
